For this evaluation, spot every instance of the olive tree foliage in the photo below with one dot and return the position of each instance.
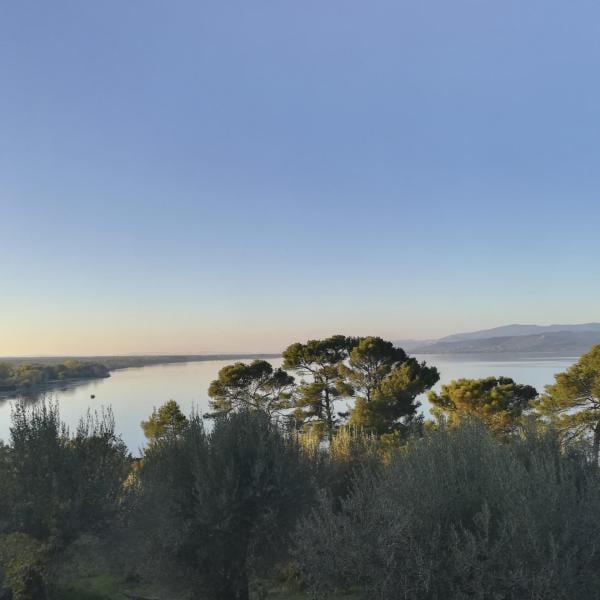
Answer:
(23, 568)
(351, 451)
(214, 509)
(254, 386)
(57, 484)
(573, 402)
(497, 401)
(166, 421)
(7, 482)
(319, 363)
(386, 383)
(460, 515)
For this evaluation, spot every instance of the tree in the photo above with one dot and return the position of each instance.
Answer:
(386, 383)
(99, 463)
(39, 464)
(370, 361)
(497, 401)
(61, 485)
(321, 361)
(216, 507)
(167, 421)
(31, 375)
(254, 386)
(573, 401)
(22, 568)
(7, 478)
(6, 374)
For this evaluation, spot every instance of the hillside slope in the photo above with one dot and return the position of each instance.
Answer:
(571, 343)
(520, 330)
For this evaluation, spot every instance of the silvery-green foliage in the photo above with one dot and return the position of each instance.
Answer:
(215, 510)
(59, 484)
(460, 515)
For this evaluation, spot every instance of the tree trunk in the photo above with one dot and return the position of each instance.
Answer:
(235, 583)
(596, 445)
(243, 589)
(328, 414)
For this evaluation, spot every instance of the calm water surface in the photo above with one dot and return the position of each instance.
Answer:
(132, 393)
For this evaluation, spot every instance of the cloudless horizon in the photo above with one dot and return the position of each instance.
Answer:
(191, 177)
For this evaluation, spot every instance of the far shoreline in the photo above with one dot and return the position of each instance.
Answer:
(112, 363)
(116, 362)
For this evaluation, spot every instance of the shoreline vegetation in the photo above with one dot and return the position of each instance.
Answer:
(281, 497)
(29, 375)
(116, 362)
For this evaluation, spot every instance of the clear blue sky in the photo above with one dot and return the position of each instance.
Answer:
(206, 176)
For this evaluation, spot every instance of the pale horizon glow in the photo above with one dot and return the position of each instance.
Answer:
(189, 178)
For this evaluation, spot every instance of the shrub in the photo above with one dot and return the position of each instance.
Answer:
(22, 567)
(62, 485)
(460, 515)
(219, 507)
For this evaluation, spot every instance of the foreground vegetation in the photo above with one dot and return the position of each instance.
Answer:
(281, 496)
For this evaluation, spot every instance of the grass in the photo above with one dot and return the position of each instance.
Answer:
(84, 573)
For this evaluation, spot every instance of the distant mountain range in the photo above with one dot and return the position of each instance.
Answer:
(543, 339)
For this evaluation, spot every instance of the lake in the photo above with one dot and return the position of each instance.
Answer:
(132, 393)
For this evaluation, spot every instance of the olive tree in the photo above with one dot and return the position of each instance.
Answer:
(62, 484)
(460, 514)
(218, 507)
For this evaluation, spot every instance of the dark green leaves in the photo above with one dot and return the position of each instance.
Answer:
(497, 401)
(254, 386)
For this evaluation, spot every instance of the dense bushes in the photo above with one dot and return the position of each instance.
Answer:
(22, 567)
(458, 515)
(54, 487)
(62, 484)
(218, 507)
(454, 513)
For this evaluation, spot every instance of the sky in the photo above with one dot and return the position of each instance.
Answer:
(222, 176)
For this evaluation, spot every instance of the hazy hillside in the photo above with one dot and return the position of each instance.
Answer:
(519, 330)
(410, 344)
(571, 343)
